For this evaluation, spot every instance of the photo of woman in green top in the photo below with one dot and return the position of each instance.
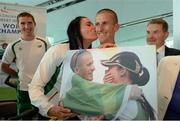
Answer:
(113, 99)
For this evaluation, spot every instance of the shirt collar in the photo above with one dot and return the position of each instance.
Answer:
(161, 52)
(161, 49)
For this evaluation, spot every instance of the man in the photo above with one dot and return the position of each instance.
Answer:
(51, 62)
(168, 78)
(4, 45)
(157, 33)
(27, 52)
(106, 27)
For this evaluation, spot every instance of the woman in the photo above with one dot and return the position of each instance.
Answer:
(82, 64)
(126, 68)
(114, 100)
(81, 33)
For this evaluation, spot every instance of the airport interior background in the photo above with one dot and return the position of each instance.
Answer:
(133, 16)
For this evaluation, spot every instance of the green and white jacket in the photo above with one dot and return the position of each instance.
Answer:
(47, 79)
(27, 56)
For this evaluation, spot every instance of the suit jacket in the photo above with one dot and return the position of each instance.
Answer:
(171, 51)
(168, 71)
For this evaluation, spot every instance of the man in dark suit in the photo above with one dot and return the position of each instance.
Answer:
(171, 51)
(157, 33)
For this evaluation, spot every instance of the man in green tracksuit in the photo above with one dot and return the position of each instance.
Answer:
(27, 52)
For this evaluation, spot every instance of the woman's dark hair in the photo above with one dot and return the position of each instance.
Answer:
(138, 73)
(131, 61)
(74, 33)
(140, 76)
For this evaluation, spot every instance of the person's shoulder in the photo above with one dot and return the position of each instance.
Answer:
(173, 50)
(63, 46)
(40, 38)
(13, 43)
(58, 48)
(37, 38)
(43, 40)
(171, 59)
(55, 53)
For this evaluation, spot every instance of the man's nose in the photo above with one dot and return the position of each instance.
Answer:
(26, 26)
(99, 28)
(150, 35)
(93, 68)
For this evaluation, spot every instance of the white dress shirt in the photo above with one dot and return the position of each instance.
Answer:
(160, 53)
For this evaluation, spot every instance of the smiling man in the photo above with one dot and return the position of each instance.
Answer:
(26, 52)
(157, 33)
(106, 27)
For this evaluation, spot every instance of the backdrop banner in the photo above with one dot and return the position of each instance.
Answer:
(8, 24)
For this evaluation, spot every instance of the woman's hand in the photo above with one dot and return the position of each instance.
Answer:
(108, 78)
(97, 118)
(60, 112)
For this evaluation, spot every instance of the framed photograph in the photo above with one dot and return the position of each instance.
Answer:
(118, 83)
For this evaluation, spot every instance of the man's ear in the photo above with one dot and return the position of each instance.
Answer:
(167, 34)
(76, 70)
(117, 27)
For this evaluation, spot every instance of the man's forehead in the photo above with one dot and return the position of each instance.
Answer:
(104, 14)
(104, 17)
(25, 19)
(154, 27)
